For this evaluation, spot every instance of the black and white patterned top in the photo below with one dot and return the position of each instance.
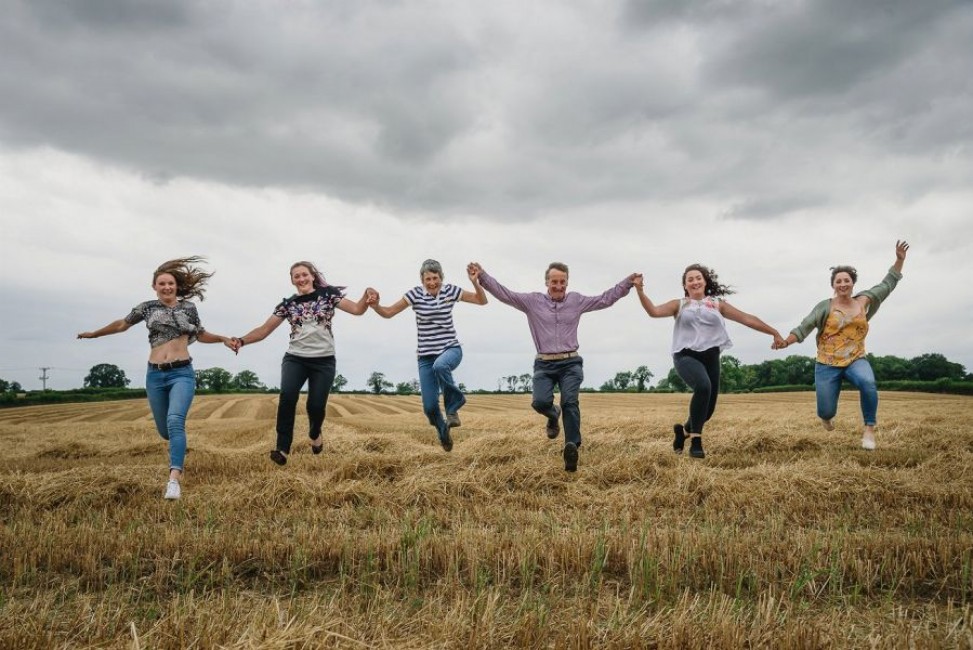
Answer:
(434, 318)
(167, 323)
(310, 319)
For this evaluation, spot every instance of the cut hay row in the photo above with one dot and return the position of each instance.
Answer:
(784, 536)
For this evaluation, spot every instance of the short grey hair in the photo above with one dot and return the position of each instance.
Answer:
(431, 266)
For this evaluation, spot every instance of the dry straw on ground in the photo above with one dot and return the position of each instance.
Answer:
(784, 536)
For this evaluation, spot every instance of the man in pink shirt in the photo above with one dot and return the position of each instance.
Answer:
(553, 318)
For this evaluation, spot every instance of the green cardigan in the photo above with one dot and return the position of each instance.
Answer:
(819, 315)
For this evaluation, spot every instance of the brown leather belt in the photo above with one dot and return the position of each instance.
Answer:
(556, 356)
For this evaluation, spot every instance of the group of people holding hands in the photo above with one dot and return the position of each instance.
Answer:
(553, 316)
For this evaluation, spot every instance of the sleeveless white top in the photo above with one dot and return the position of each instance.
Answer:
(700, 326)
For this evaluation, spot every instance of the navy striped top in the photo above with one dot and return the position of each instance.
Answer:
(434, 318)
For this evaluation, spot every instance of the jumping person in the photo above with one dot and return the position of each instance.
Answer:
(310, 356)
(173, 324)
(842, 324)
(439, 352)
(553, 318)
(698, 337)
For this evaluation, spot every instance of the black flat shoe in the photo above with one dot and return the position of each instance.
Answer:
(278, 457)
(679, 441)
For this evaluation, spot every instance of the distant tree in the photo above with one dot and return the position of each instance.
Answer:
(890, 367)
(338, 383)
(407, 387)
(512, 381)
(247, 380)
(462, 387)
(526, 382)
(623, 380)
(106, 375)
(673, 382)
(641, 376)
(378, 384)
(10, 386)
(217, 380)
(928, 367)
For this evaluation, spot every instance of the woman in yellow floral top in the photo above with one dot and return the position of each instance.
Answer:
(842, 324)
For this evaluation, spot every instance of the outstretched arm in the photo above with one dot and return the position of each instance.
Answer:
(258, 333)
(670, 308)
(478, 295)
(751, 321)
(503, 294)
(361, 306)
(393, 309)
(610, 296)
(208, 337)
(114, 327)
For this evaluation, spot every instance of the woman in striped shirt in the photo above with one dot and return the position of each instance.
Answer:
(439, 350)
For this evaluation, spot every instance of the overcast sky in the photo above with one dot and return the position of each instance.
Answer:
(767, 139)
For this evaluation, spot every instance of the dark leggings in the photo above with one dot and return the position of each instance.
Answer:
(318, 372)
(701, 372)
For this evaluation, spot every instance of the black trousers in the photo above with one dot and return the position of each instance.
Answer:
(318, 373)
(701, 372)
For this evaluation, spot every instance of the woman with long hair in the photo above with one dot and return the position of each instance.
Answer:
(173, 324)
(310, 356)
(698, 338)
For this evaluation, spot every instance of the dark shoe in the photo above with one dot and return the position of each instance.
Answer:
(452, 419)
(679, 441)
(553, 426)
(570, 457)
(278, 457)
(320, 446)
(696, 447)
(445, 439)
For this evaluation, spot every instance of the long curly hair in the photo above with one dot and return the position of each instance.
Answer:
(713, 286)
(190, 278)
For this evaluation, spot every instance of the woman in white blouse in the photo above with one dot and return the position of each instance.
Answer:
(698, 338)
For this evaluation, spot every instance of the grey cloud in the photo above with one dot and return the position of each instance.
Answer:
(419, 110)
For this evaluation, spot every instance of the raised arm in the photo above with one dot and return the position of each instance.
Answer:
(666, 309)
(609, 297)
(516, 300)
(901, 248)
(751, 321)
(114, 327)
(478, 295)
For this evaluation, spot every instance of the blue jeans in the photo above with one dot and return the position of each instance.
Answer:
(827, 385)
(435, 376)
(170, 395)
(295, 371)
(568, 375)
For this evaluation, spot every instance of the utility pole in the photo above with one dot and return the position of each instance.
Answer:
(44, 376)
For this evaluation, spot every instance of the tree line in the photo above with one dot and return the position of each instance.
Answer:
(791, 371)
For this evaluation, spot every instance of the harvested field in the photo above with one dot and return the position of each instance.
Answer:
(784, 536)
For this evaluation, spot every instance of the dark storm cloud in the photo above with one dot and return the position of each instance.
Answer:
(427, 107)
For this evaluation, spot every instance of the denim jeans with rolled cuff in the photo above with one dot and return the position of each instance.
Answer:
(170, 394)
(827, 386)
(435, 377)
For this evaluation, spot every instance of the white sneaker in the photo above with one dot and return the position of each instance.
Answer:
(868, 443)
(173, 490)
